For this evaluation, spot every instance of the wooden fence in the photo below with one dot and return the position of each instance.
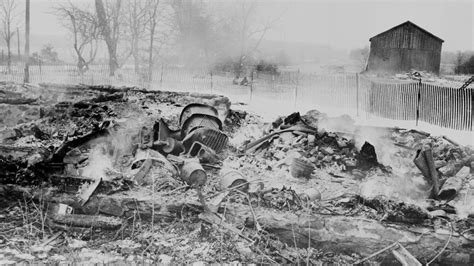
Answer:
(351, 93)
(436, 105)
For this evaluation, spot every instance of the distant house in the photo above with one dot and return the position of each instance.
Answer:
(405, 47)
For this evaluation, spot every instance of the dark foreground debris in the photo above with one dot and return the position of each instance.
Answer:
(123, 174)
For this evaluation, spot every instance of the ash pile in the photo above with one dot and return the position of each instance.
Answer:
(125, 162)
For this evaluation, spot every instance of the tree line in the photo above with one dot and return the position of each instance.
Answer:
(143, 32)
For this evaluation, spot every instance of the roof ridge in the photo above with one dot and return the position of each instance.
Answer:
(411, 23)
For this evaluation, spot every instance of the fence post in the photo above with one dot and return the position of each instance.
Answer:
(418, 102)
(251, 86)
(211, 82)
(296, 88)
(472, 107)
(161, 76)
(357, 93)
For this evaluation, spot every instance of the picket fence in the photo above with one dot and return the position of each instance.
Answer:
(352, 93)
(436, 105)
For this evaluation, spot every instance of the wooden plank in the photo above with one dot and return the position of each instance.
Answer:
(465, 111)
(437, 96)
(434, 110)
(423, 103)
(470, 108)
(414, 100)
(403, 101)
(396, 101)
(443, 107)
(405, 257)
(408, 99)
(450, 108)
(88, 221)
(454, 109)
(459, 112)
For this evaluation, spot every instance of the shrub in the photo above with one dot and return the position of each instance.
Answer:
(266, 67)
(466, 67)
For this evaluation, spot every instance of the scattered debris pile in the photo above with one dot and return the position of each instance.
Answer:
(119, 160)
(298, 142)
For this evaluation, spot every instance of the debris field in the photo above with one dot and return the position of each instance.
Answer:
(105, 174)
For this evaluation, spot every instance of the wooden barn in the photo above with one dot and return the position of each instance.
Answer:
(403, 48)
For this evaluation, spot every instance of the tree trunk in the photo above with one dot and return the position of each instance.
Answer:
(81, 62)
(106, 32)
(136, 58)
(9, 54)
(113, 62)
(18, 42)
(150, 56)
(135, 34)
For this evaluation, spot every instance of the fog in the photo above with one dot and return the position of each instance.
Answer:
(300, 31)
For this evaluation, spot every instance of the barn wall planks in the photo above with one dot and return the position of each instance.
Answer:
(404, 48)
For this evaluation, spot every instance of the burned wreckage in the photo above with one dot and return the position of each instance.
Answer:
(99, 157)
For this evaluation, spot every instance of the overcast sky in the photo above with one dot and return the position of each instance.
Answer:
(339, 23)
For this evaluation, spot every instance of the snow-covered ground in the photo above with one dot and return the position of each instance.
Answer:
(270, 109)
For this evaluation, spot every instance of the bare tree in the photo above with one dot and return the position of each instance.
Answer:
(83, 25)
(194, 28)
(159, 28)
(110, 24)
(8, 19)
(137, 18)
(250, 32)
(458, 62)
(360, 57)
(152, 23)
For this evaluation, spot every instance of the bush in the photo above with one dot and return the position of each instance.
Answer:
(233, 65)
(466, 67)
(266, 67)
(226, 65)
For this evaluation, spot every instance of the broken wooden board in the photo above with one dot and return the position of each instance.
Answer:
(404, 257)
(335, 233)
(344, 234)
(88, 221)
(454, 184)
(87, 193)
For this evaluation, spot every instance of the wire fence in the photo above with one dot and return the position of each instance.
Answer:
(353, 94)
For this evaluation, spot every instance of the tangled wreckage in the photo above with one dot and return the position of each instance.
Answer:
(101, 156)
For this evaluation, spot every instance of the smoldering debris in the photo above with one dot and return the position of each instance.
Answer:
(118, 157)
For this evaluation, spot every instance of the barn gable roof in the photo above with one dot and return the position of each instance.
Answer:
(412, 24)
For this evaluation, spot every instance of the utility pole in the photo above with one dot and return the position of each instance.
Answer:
(27, 42)
(18, 42)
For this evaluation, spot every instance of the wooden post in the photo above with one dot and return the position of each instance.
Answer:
(18, 42)
(251, 86)
(357, 93)
(161, 76)
(418, 103)
(27, 42)
(296, 88)
(211, 81)
(472, 107)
